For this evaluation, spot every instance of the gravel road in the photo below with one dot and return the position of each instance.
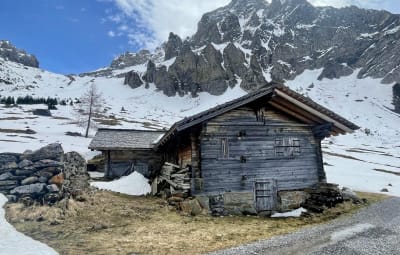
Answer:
(373, 230)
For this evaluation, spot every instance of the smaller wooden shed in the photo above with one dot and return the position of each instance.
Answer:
(127, 150)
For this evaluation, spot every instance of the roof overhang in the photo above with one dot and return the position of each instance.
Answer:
(278, 96)
(309, 111)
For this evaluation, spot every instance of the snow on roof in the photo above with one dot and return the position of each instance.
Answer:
(124, 139)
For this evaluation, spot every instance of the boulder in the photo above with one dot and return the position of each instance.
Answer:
(24, 172)
(190, 207)
(52, 188)
(43, 179)
(57, 179)
(8, 158)
(27, 154)
(29, 180)
(5, 176)
(32, 189)
(52, 151)
(8, 183)
(349, 195)
(53, 169)
(47, 163)
(44, 174)
(25, 163)
(8, 166)
(174, 200)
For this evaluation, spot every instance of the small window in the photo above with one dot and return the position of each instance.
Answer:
(287, 147)
(224, 148)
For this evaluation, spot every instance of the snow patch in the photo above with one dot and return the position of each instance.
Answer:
(14, 242)
(392, 31)
(294, 213)
(134, 184)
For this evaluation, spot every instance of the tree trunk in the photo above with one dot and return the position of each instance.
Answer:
(89, 117)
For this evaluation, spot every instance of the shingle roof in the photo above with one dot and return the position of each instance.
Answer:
(124, 139)
(268, 90)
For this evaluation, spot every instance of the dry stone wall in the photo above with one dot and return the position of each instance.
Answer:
(45, 176)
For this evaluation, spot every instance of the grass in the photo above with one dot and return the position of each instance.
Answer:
(111, 223)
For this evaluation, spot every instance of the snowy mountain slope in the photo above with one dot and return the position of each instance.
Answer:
(363, 161)
(368, 159)
(144, 108)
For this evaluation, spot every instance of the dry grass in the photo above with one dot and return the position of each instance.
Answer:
(109, 223)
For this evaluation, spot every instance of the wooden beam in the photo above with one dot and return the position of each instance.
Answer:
(218, 112)
(313, 111)
(296, 109)
(290, 112)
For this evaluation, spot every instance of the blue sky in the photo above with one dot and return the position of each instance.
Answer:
(75, 36)
(66, 36)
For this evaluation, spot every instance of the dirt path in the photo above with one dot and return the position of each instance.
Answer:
(373, 230)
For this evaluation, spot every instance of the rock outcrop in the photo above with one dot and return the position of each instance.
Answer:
(132, 79)
(11, 53)
(131, 59)
(396, 97)
(253, 42)
(45, 176)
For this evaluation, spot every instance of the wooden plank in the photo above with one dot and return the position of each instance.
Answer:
(343, 128)
(228, 108)
(293, 113)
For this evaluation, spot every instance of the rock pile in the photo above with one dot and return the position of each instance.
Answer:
(45, 175)
(325, 195)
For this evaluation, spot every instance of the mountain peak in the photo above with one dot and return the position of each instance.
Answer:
(9, 52)
(240, 6)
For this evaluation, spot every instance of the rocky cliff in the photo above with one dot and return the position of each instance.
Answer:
(11, 53)
(251, 42)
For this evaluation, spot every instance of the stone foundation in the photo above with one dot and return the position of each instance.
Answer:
(229, 203)
(290, 200)
(314, 199)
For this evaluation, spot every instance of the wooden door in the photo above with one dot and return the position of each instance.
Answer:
(265, 194)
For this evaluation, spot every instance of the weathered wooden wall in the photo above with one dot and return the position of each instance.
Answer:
(185, 156)
(253, 140)
(139, 157)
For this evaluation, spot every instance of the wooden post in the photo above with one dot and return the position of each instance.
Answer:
(195, 164)
(107, 164)
(320, 162)
(195, 154)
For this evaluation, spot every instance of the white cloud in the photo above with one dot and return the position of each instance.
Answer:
(111, 33)
(147, 23)
(155, 19)
(369, 4)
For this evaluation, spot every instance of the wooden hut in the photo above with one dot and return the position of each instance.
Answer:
(253, 154)
(127, 150)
